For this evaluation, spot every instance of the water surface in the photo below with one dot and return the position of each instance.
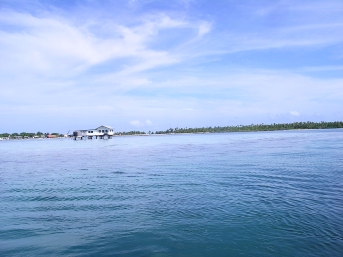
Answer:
(231, 194)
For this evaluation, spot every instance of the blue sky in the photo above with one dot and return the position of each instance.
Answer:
(152, 65)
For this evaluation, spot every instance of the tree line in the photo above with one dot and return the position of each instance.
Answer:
(29, 134)
(257, 127)
(130, 133)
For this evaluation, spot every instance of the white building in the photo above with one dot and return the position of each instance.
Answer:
(101, 132)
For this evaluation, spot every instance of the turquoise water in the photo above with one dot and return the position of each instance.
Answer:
(234, 194)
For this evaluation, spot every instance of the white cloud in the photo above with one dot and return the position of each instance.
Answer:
(138, 123)
(294, 113)
(54, 46)
(204, 28)
(135, 123)
(322, 68)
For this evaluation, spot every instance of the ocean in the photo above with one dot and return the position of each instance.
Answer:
(229, 194)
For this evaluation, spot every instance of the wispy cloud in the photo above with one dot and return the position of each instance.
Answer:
(204, 28)
(137, 123)
(322, 68)
(175, 65)
(294, 113)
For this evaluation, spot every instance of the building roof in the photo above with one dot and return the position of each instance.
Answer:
(105, 127)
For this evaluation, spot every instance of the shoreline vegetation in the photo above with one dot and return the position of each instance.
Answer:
(217, 129)
(25, 135)
(257, 127)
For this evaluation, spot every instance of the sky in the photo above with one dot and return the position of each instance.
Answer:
(153, 65)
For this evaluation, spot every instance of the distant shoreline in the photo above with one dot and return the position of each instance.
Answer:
(204, 130)
(187, 133)
(169, 134)
(257, 127)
